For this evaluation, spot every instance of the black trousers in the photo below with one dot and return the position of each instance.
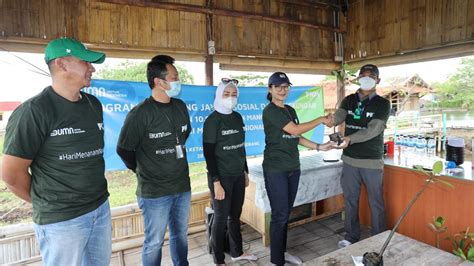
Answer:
(227, 214)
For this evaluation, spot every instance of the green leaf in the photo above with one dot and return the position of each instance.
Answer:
(461, 244)
(444, 182)
(470, 254)
(432, 226)
(459, 253)
(418, 167)
(437, 167)
(439, 221)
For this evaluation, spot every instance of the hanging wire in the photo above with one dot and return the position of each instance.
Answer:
(38, 69)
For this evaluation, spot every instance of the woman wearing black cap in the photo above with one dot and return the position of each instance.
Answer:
(281, 164)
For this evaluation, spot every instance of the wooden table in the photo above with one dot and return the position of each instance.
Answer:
(319, 194)
(401, 250)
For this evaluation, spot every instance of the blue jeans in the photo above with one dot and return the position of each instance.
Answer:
(281, 190)
(158, 213)
(84, 240)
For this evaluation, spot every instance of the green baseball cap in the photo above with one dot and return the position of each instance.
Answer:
(69, 47)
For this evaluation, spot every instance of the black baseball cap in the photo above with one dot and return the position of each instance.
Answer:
(369, 67)
(278, 78)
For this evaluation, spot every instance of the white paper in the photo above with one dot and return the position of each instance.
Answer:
(357, 260)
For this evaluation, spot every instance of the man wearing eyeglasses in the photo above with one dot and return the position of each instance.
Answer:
(151, 144)
(365, 115)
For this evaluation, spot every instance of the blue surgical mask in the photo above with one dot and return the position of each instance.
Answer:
(175, 89)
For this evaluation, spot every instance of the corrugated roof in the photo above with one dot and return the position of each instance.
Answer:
(8, 106)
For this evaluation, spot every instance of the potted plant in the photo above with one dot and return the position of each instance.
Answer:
(374, 258)
(463, 244)
(437, 226)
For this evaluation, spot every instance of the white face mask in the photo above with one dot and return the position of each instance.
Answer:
(175, 89)
(229, 103)
(367, 83)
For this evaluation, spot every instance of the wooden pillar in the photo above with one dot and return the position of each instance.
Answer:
(340, 94)
(211, 50)
(209, 70)
(340, 91)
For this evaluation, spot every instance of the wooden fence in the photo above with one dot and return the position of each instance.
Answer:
(18, 243)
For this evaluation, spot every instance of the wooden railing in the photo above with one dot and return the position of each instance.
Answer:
(415, 124)
(18, 243)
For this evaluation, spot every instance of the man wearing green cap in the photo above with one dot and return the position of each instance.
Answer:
(54, 145)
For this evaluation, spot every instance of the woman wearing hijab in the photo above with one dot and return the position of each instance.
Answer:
(281, 163)
(224, 150)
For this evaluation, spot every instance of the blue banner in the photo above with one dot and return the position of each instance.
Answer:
(119, 97)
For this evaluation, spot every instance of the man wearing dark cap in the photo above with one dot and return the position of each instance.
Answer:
(365, 115)
(151, 144)
(54, 145)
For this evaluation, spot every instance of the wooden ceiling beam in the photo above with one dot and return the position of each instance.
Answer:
(415, 56)
(28, 45)
(311, 4)
(272, 65)
(249, 68)
(220, 12)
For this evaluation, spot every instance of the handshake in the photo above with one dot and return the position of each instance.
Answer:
(328, 120)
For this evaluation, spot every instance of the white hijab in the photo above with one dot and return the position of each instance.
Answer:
(218, 106)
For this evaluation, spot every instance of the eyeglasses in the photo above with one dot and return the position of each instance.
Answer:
(280, 88)
(228, 80)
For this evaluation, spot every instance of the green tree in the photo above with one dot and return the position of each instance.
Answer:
(458, 90)
(129, 71)
(251, 80)
(330, 78)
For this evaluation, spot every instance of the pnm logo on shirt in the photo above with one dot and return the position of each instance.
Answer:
(184, 128)
(369, 114)
(66, 131)
(100, 126)
(158, 135)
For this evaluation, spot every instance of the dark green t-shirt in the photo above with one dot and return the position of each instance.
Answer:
(374, 108)
(65, 141)
(227, 132)
(281, 149)
(151, 129)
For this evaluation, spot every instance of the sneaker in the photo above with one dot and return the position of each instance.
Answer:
(343, 243)
(246, 256)
(292, 259)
